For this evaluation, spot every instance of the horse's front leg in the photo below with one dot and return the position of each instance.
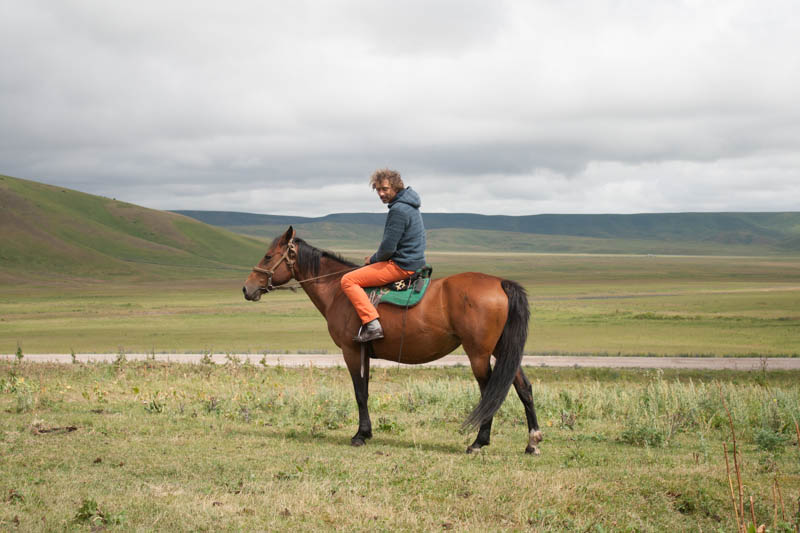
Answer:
(361, 387)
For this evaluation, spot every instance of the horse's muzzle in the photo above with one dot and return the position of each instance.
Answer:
(253, 296)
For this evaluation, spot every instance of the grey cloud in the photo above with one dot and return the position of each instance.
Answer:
(204, 103)
(418, 27)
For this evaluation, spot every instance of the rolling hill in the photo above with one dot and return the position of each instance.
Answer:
(661, 233)
(49, 232)
(53, 232)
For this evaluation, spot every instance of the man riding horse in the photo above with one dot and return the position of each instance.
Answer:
(486, 315)
(400, 254)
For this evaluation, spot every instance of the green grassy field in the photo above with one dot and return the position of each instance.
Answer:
(155, 446)
(581, 304)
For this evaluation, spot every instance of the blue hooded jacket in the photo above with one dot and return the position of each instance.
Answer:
(404, 234)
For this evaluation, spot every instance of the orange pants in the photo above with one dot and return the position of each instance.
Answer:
(372, 275)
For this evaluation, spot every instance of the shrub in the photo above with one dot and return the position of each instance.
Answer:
(155, 405)
(769, 440)
(642, 434)
(23, 392)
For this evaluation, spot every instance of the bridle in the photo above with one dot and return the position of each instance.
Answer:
(289, 256)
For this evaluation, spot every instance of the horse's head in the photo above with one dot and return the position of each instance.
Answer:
(274, 269)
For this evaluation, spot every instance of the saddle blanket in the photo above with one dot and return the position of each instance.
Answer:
(406, 292)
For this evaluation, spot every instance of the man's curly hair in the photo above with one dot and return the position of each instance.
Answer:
(387, 174)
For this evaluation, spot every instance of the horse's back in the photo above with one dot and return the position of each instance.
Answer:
(470, 296)
(474, 287)
(449, 297)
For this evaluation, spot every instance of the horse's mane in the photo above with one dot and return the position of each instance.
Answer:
(309, 257)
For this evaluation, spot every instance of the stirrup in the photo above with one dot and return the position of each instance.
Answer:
(365, 335)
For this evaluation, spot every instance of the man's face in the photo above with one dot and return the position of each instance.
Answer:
(385, 191)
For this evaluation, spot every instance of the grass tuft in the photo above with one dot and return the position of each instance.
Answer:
(89, 512)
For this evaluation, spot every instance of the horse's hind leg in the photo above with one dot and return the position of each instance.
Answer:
(482, 370)
(525, 393)
(483, 437)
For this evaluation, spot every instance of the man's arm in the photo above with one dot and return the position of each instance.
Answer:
(392, 231)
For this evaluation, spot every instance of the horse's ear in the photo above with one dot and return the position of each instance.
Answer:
(289, 235)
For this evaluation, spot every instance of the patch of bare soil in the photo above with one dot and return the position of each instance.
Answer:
(39, 429)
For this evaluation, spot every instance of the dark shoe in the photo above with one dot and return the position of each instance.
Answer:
(371, 331)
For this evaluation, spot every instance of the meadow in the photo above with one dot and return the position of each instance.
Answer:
(150, 445)
(143, 446)
(580, 304)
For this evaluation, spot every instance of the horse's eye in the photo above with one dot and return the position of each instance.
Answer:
(267, 257)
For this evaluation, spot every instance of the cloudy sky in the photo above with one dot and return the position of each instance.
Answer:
(495, 107)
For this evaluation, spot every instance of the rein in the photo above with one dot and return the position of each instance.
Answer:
(289, 256)
(298, 282)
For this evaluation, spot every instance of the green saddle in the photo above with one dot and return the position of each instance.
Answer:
(406, 292)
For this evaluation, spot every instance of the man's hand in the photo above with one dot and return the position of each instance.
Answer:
(366, 260)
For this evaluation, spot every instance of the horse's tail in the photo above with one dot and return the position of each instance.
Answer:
(508, 355)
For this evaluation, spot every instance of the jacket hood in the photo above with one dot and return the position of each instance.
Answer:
(407, 196)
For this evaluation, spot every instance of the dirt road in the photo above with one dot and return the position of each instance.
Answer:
(332, 360)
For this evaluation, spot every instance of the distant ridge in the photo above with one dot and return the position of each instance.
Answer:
(681, 232)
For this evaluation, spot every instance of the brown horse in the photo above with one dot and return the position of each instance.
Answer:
(485, 314)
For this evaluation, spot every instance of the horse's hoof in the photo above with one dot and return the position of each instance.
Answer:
(473, 449)
(357, 441)
(534, 437)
